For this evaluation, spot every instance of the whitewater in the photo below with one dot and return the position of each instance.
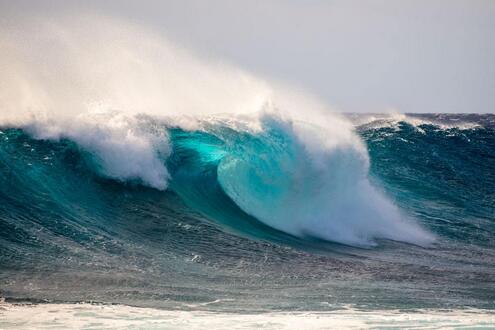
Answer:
(139, 177)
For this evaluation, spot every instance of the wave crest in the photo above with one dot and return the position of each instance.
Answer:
(310, 190)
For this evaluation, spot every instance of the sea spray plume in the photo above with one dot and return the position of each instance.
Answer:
(86, 80)
(98, 81)
(65, 66)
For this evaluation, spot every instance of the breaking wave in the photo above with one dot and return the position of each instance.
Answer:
(280, 156)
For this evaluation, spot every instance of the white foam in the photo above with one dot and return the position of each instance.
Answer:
(88, 316)
(125, 147)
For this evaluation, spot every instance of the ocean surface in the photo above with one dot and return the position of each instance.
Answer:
(250, 220)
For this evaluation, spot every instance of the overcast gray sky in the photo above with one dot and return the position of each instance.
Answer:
(359, 56)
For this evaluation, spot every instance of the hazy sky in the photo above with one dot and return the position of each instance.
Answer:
(364, 56)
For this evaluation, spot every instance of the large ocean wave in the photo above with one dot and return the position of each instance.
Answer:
(287, 162)
(271, 174)
(154, 178)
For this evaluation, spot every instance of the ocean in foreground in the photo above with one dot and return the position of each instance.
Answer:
(88, 316)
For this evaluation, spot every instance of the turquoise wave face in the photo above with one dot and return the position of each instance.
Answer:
(227, 229)
(277, 179)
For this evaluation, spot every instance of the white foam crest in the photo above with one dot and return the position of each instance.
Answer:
(125, 147)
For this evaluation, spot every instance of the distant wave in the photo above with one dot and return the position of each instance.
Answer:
(445, 121)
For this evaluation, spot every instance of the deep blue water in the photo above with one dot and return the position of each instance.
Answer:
(222, 232)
